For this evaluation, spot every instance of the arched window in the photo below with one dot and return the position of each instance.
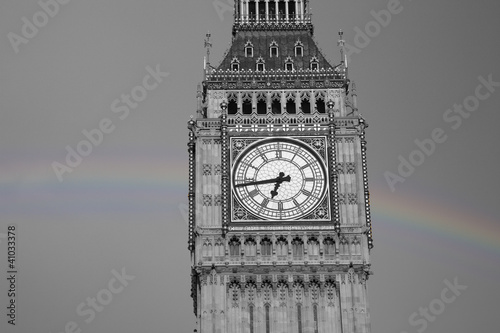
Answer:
(289, 64)
(299, 318)
(282, 248)
(329, 248)
(313, 248)
(248, 49)
(232, 105)
(290, 106)
(250, 248)
(261, 104)
(266, 247)
(247, 104)
(235, 65)
(320, 105)
(234, 247)
(297, 248)
(276, 103)
(261, 65)
(299, 49)
(273, 50)
(314, 64)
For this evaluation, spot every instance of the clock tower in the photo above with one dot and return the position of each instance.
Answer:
(279, 213)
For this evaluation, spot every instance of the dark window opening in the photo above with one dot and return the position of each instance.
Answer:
(235, 67)
(272, 9)
(274, 51)
(306, 106)
(315, 311)
(247, 107)
(252, 9)
(268, 324)
(290, 107)
(289, 66)
(251, 319)
(232, 107)
(299, 51)
(261, 107)
(282, 9)
(320, 105)
(248, 51)
(314, 66)
(260, 67)
(291, 9)
(276, 107)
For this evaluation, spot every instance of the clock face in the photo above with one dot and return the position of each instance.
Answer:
(279, 179)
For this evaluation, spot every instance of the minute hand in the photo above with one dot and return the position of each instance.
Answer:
(269, 181)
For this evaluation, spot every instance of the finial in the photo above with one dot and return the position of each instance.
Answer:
(341, 43)
(208, 45)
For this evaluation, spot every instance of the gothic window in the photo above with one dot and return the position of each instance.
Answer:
(261, 65)
(282, 9)
(329, 248)
(232, 107)
(299, 49)
(314, 63)
(268, 322)
(281, 248)
(320, 104)
(248, 49)
(234, 247)
(247, 104)
(297, 248)
(261, 107)
(250, 248)
(344, 246)
(252, 8)
(266, 247)
(356, 246)
(235, 65)
(315, 318)
(250, 309)
(274, 49)
(313, 248)
(207, 250)
(276, 104)
(290, 105)
(219, 250)
(289, 66)
(299, 317)
(305, 105)
(291, 9)
(272, 10)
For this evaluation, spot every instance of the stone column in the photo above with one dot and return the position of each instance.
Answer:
(257, 12)
(267, 10)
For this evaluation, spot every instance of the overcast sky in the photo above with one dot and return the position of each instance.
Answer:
(119, 210)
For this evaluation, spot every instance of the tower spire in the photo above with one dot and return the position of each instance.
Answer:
(208, 46)
(341, 43)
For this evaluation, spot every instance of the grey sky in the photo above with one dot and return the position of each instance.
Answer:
(122, 205)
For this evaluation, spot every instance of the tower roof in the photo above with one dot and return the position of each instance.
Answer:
(274, 40)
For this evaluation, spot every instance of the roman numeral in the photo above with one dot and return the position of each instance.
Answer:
(264, 203)
(253, 193)
(306, 192)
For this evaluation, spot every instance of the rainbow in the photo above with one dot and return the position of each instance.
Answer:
(145, 182)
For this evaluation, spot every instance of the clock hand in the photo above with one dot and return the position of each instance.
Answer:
(280, 179)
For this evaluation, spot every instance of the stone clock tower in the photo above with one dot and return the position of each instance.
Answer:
(279, 212)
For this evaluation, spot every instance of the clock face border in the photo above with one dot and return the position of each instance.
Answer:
(316, 146)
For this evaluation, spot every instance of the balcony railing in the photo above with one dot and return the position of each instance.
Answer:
(274, 19)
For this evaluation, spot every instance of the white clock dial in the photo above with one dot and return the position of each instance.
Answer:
(279, 179)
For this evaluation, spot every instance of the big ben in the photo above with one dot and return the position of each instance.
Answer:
(279, 213)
